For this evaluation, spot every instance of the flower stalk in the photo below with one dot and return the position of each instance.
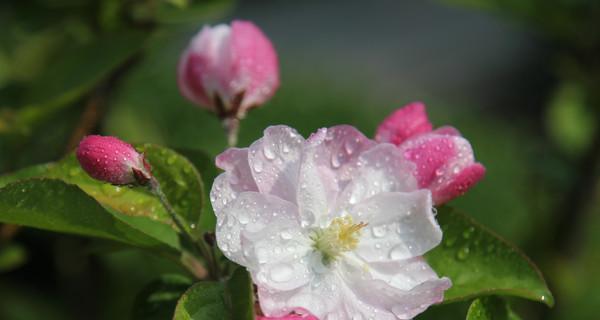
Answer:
(198, 245)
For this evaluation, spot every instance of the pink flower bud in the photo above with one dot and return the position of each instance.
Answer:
(229, 69)
(112, 160)
(444, 160)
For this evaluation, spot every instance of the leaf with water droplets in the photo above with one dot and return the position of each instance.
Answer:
(491, 308)
(56, 206)
(179, 180)
(203, 301)
(232, 299)
(479, 262)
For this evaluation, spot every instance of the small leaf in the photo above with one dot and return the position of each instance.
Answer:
(481, 263)
(233, 299)
(241, 292)
(179, 180)
(206, 165)
(157, 301)
(203, 301)
(56, 206)
(491, 308)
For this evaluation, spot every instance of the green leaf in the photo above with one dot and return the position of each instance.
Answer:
(241, 292)
(137, 207)
(157, 301)
(479, 262)
(491, 308)
(233, 299)
(179, 180)
(56, 206)
(206, 165)
(203, 301)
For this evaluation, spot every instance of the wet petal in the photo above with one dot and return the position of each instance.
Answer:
(380, 169)
(275, 161)
(400, 226)
(406, 122)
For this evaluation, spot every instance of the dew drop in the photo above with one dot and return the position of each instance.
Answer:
(463, 253)
(285, 235)
(257, 166)
(171, 159)
(450, 242)
(281, 272)
(467, 233)
(350, 146)
(268, 152)
(243, 218)
(379, 231)
(335, 161)
(397, 252)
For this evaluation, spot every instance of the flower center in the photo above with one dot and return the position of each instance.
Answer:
(341, 236)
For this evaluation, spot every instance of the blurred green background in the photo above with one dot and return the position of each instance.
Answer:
(519, 78)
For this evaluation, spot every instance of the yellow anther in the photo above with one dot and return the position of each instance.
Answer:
(341, 235)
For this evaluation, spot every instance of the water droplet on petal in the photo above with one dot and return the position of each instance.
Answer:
(281, 272)
(335, 161)
(258, 166)
(397, 252)
(379, 231)
(268, 152)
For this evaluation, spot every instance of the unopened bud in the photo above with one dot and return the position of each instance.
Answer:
(229, 69)
(112, 160)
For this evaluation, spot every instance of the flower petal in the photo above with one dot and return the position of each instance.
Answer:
(400, 289)
(330, 158)
(400, 226)
(380, 169)
(250, 214)
(255, 62)
(236, 179)
(321, 297)
(204, 68)
(439, 159)
(404, 123)
(459, 184)
(275, 161)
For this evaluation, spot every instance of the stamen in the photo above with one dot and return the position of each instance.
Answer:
(342, 235)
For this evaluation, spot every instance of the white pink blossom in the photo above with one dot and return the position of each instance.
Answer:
(334, 226)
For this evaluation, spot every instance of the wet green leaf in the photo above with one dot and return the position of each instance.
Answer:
(481, 263)
(180, 182)
(491, 308)
(203, 301)
(232, 299)
(56, 206)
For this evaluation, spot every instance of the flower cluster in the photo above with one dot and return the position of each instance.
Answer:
(334, 225)
(329, 227)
